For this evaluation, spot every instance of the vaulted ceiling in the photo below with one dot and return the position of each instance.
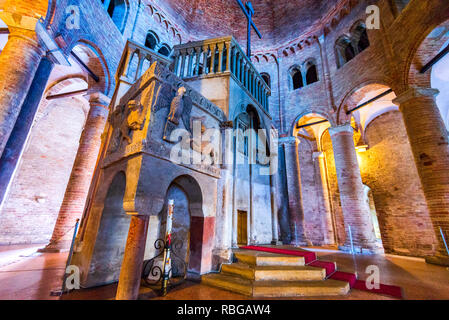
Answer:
(279, 21)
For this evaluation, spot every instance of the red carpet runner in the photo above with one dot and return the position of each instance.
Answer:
(331, 270)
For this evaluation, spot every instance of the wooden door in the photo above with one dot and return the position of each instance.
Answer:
(242, 228)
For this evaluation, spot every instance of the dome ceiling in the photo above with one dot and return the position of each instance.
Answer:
(279, 21)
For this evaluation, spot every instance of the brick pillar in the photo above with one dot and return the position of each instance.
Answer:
(295, 209)
(356, 211)
(19, 61)
(78, 187)
(131, 270)
(430, 146)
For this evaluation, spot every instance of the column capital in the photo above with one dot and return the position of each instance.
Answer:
(415, 92)
(346, 129)
(289, 140)
(98, 99)
(16, 20)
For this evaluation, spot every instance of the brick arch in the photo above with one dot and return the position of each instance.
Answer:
(97, 61)
(351, 96)
(415, 44)
(57, 87)
(427, 49)
(315, 112)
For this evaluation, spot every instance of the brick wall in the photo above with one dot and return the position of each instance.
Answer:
(36, 194)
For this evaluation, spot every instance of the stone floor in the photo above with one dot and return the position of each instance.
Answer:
(27, 275)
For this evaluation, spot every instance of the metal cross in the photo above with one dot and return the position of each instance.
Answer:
(248, 10)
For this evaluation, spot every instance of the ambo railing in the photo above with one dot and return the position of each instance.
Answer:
(215, 57)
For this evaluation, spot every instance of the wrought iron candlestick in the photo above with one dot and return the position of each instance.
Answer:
(172, 265)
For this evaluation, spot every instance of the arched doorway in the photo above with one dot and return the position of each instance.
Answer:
(192, 232)
(319, 224)
(111, 238)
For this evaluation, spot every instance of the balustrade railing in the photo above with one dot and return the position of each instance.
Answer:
(137, 59)
(215, 57)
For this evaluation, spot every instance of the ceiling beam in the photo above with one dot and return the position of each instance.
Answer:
(311, 124)
(66, 94)
(435, 60)
(370, 101)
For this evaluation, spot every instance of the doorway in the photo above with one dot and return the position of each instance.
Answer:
(242, 228)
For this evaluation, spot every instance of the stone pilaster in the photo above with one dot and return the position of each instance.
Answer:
(430, 146)
(78, 187)
(223, 252)
(293, 175)
(131, 270)
(356, 212)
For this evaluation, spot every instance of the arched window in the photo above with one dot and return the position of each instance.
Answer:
(118, 11)
(266, 78)
(360, 36)
(152, 40)
(344, 51)
(165, 50)
(296, 78)
(311, 74)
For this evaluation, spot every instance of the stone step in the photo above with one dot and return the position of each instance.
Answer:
(256, 258)
(274, 273)
(276, 289)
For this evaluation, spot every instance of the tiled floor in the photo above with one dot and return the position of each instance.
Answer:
(34, 276)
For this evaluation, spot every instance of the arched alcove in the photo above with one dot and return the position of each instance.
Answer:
(296, 78)
(344, 51)
(152, 40)
(188, 225)
(165, 50)
(311, 72)
(111, 237)
(118, 10)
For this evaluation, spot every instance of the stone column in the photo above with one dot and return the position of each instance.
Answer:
(274, 209)
(14, 146)
(78, 187)
(356, 212)
(329, 236)
(293, 175)
(131, 270)
(224, 230)
(19, 61)
(430, 146)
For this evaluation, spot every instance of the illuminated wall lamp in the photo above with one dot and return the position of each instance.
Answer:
(363, 148)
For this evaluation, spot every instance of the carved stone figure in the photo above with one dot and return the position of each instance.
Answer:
(177, 106)
(180, 107)
(124, 119)
(136, 117)
(200, 146)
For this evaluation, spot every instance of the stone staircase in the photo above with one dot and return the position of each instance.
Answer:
(262, 274)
